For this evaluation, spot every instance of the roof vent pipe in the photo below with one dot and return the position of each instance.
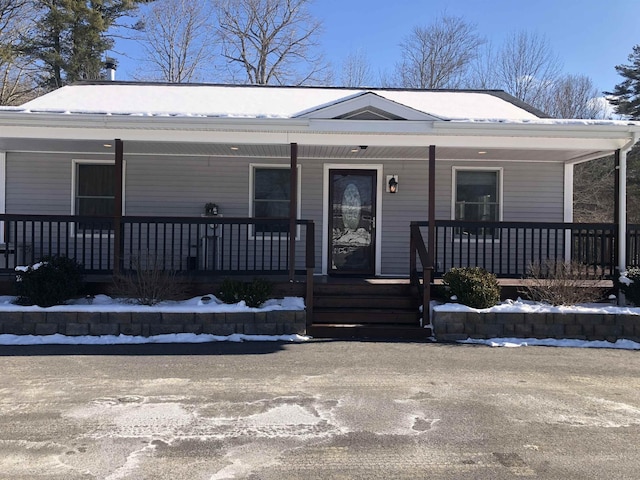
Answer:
(110, 66)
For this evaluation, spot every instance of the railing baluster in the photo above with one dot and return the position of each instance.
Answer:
(246, 246)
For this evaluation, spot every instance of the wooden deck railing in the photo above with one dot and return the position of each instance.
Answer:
(508, 249)
(198, 246)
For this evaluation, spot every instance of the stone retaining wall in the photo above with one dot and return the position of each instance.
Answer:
(452, 326)
(277, 322)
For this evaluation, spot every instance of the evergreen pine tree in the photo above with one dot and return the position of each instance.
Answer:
(71, 38)
(626, 95)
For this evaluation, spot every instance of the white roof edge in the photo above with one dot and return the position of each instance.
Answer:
(30, 116)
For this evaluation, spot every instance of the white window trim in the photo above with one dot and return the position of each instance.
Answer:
(74, 170)
(454, 173)
(252, 168)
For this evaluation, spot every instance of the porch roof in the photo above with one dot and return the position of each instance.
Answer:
(325, 122)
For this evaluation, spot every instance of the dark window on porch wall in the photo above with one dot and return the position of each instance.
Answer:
(271, 196)
(95, 192)
(477, 199)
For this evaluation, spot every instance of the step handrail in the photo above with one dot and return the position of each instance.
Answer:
(418, 251)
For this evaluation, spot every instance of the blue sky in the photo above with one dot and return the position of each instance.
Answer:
(589, 36)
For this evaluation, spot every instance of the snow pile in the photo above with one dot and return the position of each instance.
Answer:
(525, 306)
(203, 304)
(58, 339)
(624, 279)
(551, 342)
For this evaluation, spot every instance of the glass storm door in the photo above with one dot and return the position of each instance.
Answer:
(352, 222)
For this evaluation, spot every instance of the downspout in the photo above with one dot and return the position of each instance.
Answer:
(568, 208)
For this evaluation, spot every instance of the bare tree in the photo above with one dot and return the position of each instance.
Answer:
(593, 191)
(438, 55)
(573, 96)
(526, 67)
(482, 70)
(270, 41)
(178, 41)
(17, 73)
(356, 70)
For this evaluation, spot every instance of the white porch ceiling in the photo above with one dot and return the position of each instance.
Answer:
(329, 152)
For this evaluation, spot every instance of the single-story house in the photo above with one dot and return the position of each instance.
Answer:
(375, 183)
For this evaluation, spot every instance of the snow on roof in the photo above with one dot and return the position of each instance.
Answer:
(146, 99)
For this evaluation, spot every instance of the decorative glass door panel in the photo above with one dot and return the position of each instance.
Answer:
(352, 222)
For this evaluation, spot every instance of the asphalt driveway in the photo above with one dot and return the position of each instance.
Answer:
(319, 410)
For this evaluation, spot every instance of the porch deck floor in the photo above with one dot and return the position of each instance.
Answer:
(503, 282)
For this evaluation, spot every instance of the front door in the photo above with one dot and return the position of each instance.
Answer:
(352, 222)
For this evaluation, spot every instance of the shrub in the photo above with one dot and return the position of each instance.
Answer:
(148, 283)
(562, 283)
(253, 293)
(629, 283)
(473, 286)
(49, 282)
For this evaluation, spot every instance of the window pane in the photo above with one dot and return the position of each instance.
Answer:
(271, 209)
(96, 180)
(476, 186)
(477, 195)
(271, 191)
(271, 184)
(486, 212)
(95, 206)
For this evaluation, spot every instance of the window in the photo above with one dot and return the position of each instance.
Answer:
(94, 193)
(270, 196)
(95, 189)
(477, 198)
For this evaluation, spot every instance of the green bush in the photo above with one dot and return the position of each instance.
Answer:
(631, 289)
(254, 293)
(49, 282)
(474, 286)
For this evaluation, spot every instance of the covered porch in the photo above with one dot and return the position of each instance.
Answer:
(163, 175)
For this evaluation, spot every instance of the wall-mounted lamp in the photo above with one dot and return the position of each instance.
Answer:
(392, 183)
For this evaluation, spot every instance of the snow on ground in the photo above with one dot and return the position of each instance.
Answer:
(203, 304)
(525, 306)
(104, 303)
(58, 339)
(552, 342)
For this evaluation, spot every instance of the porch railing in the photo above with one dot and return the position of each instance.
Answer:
(420, 272)
(508, 249)
(193, 245)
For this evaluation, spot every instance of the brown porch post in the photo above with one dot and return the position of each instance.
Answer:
(431, 238)
(293, 210)
(117, 208)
